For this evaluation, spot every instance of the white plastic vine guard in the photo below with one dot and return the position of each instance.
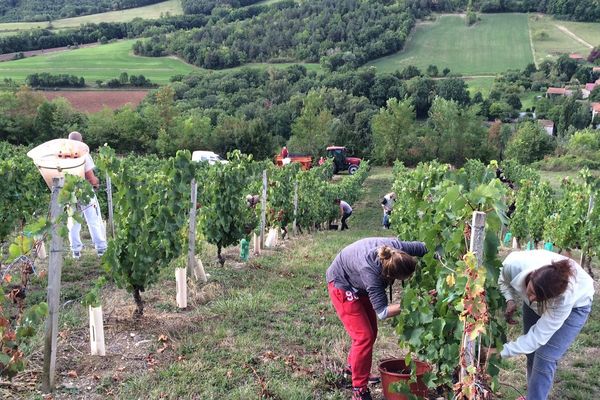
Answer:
(58, 157)
(256, 244)
(181, 282)
(271, 240)
(40, 249)
(96, 331)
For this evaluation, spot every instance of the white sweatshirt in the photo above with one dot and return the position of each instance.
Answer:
(579, 293)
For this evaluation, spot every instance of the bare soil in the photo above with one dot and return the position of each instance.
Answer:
(134, 346)
(92, 101)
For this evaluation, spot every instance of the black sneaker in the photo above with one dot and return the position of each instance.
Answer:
(362, 393)
(373, 379)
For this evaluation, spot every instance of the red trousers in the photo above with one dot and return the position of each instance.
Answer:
(360, 321)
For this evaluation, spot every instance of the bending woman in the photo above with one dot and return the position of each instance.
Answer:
(557, 299)
(356, 281)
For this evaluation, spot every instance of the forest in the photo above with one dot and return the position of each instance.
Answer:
(350, 32)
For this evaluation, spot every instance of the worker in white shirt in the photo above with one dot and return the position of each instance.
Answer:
(557, 299)
(91, 212)
(387, 204)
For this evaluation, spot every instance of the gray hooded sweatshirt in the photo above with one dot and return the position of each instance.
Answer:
(357, 268)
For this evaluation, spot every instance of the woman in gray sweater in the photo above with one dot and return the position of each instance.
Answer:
(356, 281)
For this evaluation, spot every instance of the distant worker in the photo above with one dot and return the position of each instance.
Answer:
(284, 152)
(321, 160)
(252, 200)
(345, 212)
(388, 204)
(91, 212)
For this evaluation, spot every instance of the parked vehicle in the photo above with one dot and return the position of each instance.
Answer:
(341, 162)
(208, 156)
(305, 160)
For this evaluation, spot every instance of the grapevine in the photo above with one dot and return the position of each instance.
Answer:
(151, 212)
(437, 205)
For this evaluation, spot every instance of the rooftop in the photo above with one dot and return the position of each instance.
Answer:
(555, 90)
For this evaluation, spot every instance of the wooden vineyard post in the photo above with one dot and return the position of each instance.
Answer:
(295, 224)
(263, 210)
(586, 260)
(194, 268)
(54, 272)
(111, 221)
(97, 347)
(476, 247)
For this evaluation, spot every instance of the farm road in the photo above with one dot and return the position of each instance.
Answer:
(565, 30)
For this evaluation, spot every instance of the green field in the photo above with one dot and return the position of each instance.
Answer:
(102, 62)
(480, 84)
(496, 43)
(154, 11)
(557, 42)
(588, 31)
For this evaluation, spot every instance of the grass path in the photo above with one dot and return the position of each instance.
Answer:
(574, 36)
(531, 44)
(273, 332)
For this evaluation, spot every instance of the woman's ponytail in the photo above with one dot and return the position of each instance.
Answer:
(396, 264)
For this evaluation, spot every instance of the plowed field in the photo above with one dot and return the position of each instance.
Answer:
(95, 100)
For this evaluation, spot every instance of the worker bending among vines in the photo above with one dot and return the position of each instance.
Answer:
(357, 280)
(556, 295)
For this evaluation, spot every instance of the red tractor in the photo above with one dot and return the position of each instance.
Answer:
(341, 162)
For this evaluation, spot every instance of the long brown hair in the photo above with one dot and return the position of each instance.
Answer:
(550, 281)
(396, 263)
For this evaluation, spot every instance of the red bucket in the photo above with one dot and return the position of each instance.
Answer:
(395, 370)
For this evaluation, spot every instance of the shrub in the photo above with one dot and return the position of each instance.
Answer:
(530, 143)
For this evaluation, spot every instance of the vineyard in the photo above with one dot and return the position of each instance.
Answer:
(452, 300)
(151, 210)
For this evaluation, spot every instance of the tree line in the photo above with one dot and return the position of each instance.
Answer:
(37, 39)
(48, 10)
(206, 7)
(577, 10)
(350, 33)
(379, 116)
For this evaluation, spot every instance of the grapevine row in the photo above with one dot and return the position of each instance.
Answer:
(435, 204)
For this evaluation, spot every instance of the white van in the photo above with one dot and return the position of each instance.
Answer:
(209, 156)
